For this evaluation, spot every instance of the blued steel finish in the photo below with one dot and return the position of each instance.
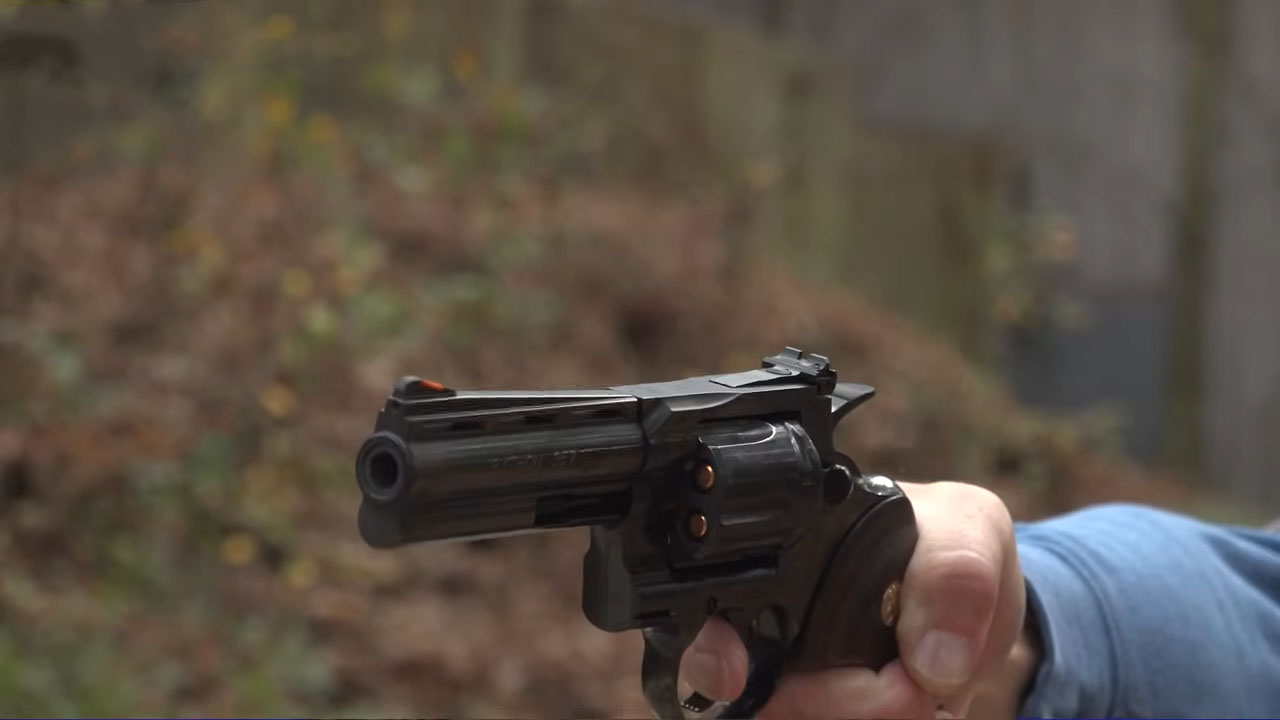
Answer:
(786, 541)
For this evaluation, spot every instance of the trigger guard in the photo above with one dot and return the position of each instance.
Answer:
(660, 670)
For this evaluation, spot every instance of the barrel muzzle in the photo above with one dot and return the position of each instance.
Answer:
(384, 468)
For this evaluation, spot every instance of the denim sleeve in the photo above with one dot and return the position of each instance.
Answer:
(1145, 613)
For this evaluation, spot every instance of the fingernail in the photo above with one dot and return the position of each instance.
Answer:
(943, 657)
(705, 671)
(943, 715)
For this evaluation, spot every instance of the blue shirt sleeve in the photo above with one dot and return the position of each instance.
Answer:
(1145, 613)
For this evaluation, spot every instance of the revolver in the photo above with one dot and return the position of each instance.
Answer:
(715, 495)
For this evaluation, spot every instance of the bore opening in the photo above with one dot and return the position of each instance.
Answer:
(383, 470)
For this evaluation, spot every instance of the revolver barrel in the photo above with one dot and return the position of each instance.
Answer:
(449, 464)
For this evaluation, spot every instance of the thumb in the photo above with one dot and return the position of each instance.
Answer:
(949, 596)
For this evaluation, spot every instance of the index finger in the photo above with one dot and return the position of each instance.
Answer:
(715, 663)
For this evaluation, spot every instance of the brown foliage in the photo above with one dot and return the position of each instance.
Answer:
(187, 312)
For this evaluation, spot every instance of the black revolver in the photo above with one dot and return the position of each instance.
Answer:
(717, 495)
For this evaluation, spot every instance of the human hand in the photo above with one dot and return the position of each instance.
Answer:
(961, 615)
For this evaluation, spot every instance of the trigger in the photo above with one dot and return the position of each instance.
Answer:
(697, 703)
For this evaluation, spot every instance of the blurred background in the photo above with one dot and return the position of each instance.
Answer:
(1047, 232)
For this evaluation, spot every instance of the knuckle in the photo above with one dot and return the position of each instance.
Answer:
(964, 570)
(964, 501)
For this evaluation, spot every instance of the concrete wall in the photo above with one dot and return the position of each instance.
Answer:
(1094, 100)
(1242, 352)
